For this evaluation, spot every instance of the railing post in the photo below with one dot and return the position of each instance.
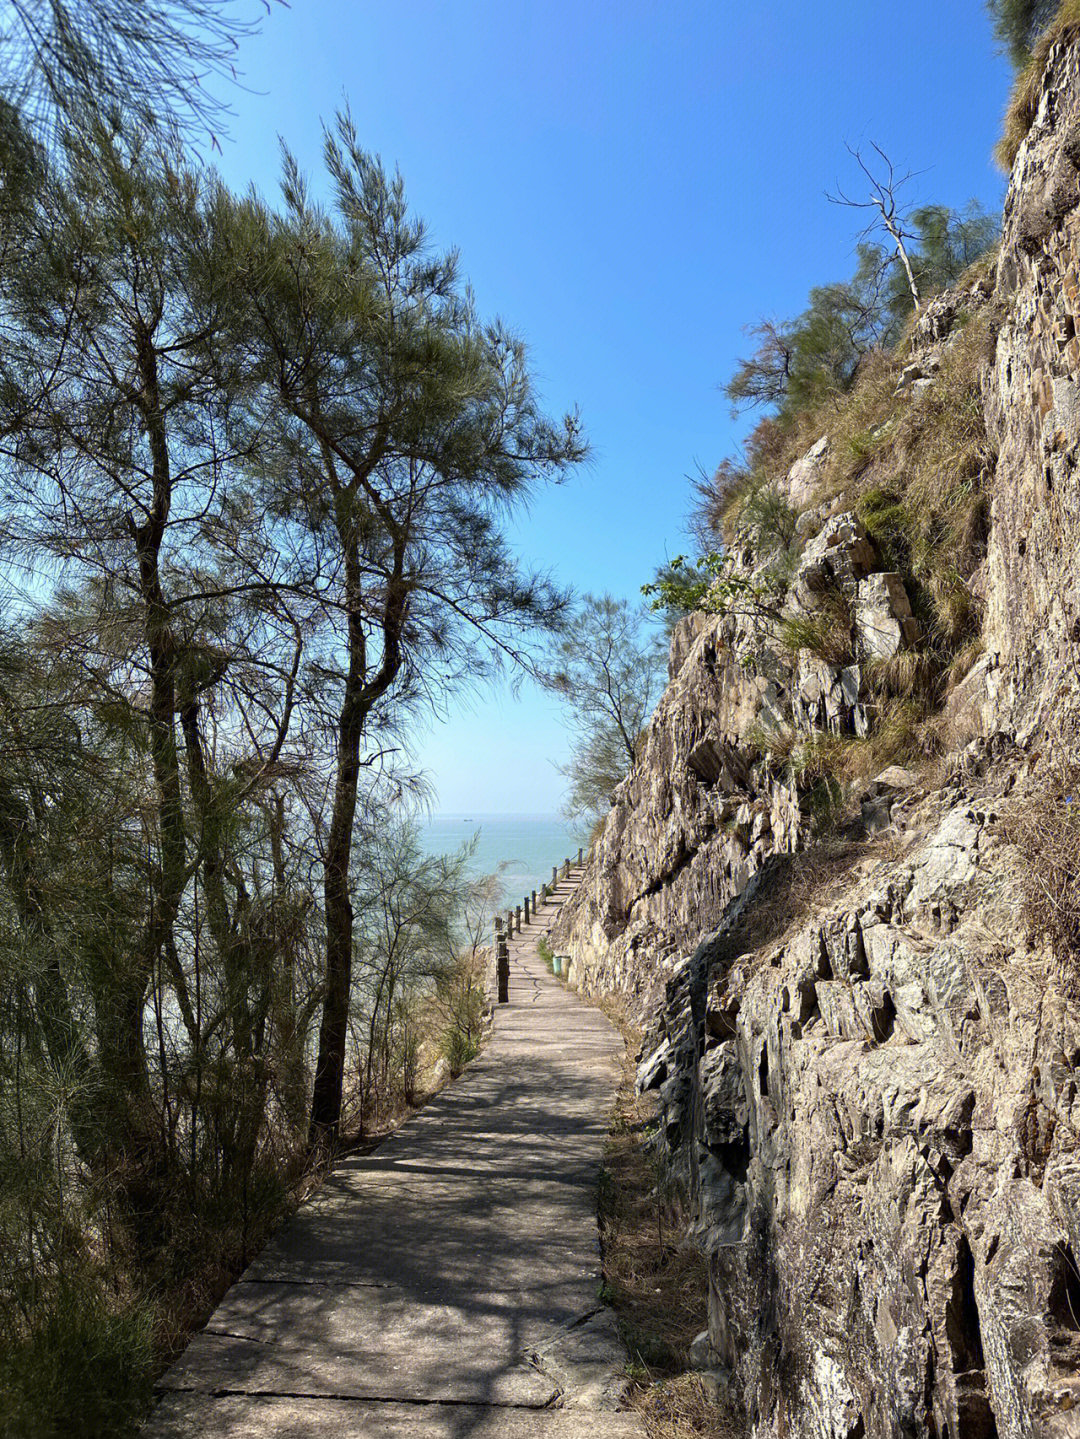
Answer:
(554, 875)
(526, 909)
(509, 923)
(503, 972)
(566, 868)
(534, 903)
(519, 919)
(580, 856)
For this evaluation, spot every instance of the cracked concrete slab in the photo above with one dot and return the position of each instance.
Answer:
(181, 1416)
(447, 1284)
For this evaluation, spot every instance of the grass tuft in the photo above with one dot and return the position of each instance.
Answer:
(1046, 830)
(682, 1408)
(827, 633)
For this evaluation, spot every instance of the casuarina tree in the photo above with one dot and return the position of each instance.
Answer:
(407, 429)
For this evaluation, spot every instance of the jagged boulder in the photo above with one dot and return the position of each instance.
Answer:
(805, 474)
(938, 321)
(884, 623)
(825, 696)
(840, 554)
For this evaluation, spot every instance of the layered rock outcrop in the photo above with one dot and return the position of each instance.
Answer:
(1033, 408)
(877, 1114)
(867, 1060)
(703, 808)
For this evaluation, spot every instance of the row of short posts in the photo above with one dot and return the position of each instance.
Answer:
(527, 911)
(502, 961)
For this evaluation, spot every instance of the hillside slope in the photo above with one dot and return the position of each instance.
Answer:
(839, 887)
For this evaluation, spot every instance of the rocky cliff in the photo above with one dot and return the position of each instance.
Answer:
(856, 978)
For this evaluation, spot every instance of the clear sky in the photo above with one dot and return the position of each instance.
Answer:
(629, 184)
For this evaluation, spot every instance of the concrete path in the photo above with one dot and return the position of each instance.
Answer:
(446, 1286)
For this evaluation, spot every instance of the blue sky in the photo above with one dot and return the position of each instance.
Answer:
(629, 185)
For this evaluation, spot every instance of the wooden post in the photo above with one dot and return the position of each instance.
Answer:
(566, 868)
(519, 919)
(509, 923)
(554, 875)
(534, 903)
(581, 856)
(526, 909)
(503, 972)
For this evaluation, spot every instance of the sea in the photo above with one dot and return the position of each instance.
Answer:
(520, 848)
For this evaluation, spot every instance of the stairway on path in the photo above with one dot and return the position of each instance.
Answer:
(445, 1286)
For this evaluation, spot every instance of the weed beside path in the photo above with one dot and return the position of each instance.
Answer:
(655, 1280)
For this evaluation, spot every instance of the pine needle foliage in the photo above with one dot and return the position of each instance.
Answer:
(1062, 25)
(1019, 25)
(255, 466)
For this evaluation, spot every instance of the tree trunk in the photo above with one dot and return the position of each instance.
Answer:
(120, 1020)
(360, 697)
(901, 250)
(333, 1029)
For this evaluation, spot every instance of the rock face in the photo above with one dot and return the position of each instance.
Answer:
(1033, 406)
(877, 1113)
(703, 809)
(868, 1067)
(688, 827)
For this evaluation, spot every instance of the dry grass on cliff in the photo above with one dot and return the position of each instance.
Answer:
(923, 501)
(832, 770)
(858, 423)
(914, 466)
(916, 469)
(682, 1408)
(792, 887)
(1024, 101)
(1045, 827)
(655, 1282)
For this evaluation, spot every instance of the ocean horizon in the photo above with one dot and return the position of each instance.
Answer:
(520, 848)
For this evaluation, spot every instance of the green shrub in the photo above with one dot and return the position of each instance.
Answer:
(460, 1049)
(465, 1024)
(83, 1369)
(759, 515)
